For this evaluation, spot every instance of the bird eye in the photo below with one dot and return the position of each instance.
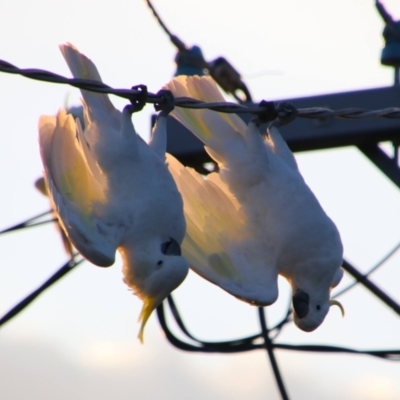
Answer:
(171, 248)
(159, 262)
(318, 307)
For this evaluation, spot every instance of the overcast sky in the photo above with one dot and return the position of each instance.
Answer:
(79, 340)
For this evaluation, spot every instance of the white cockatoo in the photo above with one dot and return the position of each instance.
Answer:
(112, 191)
(255, 218)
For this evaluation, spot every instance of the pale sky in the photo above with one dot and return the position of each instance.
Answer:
(79, 340)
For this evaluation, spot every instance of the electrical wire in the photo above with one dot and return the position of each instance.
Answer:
(185, 102)
(60, 273)
(367, 274)
(174, 39)
(29, 223)
(237, 345)
(270, 350)
(252, 342)
(158, 18)
(379, 293)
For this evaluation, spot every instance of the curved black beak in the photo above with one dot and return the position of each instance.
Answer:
(301, 302)
(171, 248)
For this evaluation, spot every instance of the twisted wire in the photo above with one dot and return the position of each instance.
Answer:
(186, 102)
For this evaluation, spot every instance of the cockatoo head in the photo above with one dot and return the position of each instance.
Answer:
(153, 271)
(311, 310)
(311, 301)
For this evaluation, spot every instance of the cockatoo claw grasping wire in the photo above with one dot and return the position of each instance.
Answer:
(112, 191)
(256, 218)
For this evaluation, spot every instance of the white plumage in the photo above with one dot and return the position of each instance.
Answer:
(113, 191)
(256, 217)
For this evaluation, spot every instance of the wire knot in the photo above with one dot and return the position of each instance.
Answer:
(268, 113)
(167, 102)
(286, 113)
(139, 100)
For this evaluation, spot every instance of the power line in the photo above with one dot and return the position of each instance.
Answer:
(252, 342)
(384, 297)
(270, 350)
(158, 18)
(225, 107)
(370, 271)
(60, 273)
(174, 39)
(29, 223)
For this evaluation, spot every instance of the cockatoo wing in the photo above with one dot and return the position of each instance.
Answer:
(218, 131)
(213, 219)
(97, 106)
(103, 122)
(240, 151)
(224, 135)
(77, 192)
(216, 241)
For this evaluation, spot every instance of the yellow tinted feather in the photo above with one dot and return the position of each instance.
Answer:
(213, 219)
(67, 165)
(205, 124)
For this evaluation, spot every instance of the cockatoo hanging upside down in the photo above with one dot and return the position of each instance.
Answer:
(112, 191)
(256, 218)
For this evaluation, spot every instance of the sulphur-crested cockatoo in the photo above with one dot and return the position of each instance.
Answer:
(256, 217)
(112, 191)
